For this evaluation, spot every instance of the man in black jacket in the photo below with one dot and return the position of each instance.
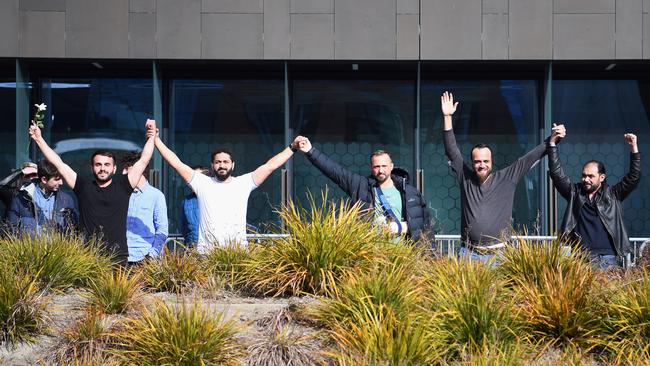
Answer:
(397, 204)
(594, 212)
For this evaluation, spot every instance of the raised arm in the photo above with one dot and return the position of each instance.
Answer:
(264, 171)
(171, 158)
(68, 175)
(138, 168)
(630, 181)
(448, 108)
(560, 180)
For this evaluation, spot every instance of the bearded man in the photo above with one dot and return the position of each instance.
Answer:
(104, 201)
(222, 198)
(486, 196)
(594, 212)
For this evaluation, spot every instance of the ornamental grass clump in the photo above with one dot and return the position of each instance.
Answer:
(375, 317)
(22, 306)
(60, 260)
(285, 345)
(324, 241)
(115, 292)
(629, 318)
(173, 272)
(471, 305)
(86, 340)
(187, 334)
(227, 262)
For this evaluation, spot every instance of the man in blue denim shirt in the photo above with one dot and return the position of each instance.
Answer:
(146, 222)
(190, 213)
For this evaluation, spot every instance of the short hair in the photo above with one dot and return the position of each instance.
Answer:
(480, 145)
(599, 165)
(380, 152)
(102, 153)
(222, 151)
(47, 170)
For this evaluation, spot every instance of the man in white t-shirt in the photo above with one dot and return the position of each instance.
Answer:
(222, 199)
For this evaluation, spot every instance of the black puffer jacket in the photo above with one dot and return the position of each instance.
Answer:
(360, 188)
(610, 205)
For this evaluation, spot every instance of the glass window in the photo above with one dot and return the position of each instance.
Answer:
(505, 115)
(8, 115)
(245, 116)
(348, 117)
(597, 113)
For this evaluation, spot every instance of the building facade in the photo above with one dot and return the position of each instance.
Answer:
(352, 75)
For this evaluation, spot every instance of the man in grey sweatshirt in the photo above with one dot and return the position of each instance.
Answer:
(486, 196)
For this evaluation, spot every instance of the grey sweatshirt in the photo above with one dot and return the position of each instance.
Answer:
(486, 209)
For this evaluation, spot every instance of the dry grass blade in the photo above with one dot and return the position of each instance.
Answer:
(174, 272)
(116, 292)
(285, 345)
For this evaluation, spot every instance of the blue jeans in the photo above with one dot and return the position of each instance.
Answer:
(604, 261)
(472, 255)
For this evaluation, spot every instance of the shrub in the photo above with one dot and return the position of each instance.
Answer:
(173, 271)
(629, 318)
(188, 335)
(22, 306)
(325, 240)
(228, 262)
(284, 345)
(115, 292)
(471, 306)
(59, 260)
(86, 340)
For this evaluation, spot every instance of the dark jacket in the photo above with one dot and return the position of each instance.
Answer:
(24, 214)
(360, 188)
(610, 206)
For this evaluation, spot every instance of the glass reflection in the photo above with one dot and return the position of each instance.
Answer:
(8, 131)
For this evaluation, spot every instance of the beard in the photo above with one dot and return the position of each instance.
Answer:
(590, 188)
(109, 176)
(381, 177)
(223, 174)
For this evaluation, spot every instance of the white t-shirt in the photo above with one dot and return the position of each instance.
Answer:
(222, 209)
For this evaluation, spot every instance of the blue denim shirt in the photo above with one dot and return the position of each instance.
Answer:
(147, 226)
(190, 219)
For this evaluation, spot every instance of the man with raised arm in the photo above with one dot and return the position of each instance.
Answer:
(486, 196)
(594, 211)
(104, 201)
(222, 198)
(398, 206)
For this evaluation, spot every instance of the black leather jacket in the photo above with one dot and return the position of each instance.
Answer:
(610, 205)
(360, 188)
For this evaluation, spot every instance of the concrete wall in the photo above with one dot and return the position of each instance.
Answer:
(326, 29)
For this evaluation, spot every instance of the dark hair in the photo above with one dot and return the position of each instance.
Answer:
(132, 157)
(379, 152)
(47, 170)
(222, 151)
(480, 145)
(102, 153)
(599, 165)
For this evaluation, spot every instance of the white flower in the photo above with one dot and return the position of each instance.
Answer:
(41, 107)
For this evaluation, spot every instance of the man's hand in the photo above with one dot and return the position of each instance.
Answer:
(302, 143)
(35, 132)
(447, 104)
(631, 140)
(558, 132)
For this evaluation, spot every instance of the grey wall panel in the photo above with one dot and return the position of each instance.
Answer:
(646, 6)
(142, 6)
(408, 6)
(408, 39)
(9, 25)
(231, 36)
(450, 29)
(312, 6)
(42, 5)
(495, 6)
(142, 35)
(97, 28)
(277, 29)
(312, 36)
(42, 34)
(365, 29)
(583, 36)
(233, 6)
(646, 36)
(495, 37)
(178, 29)
(584, 6)
(629, 29)
(530, 29)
